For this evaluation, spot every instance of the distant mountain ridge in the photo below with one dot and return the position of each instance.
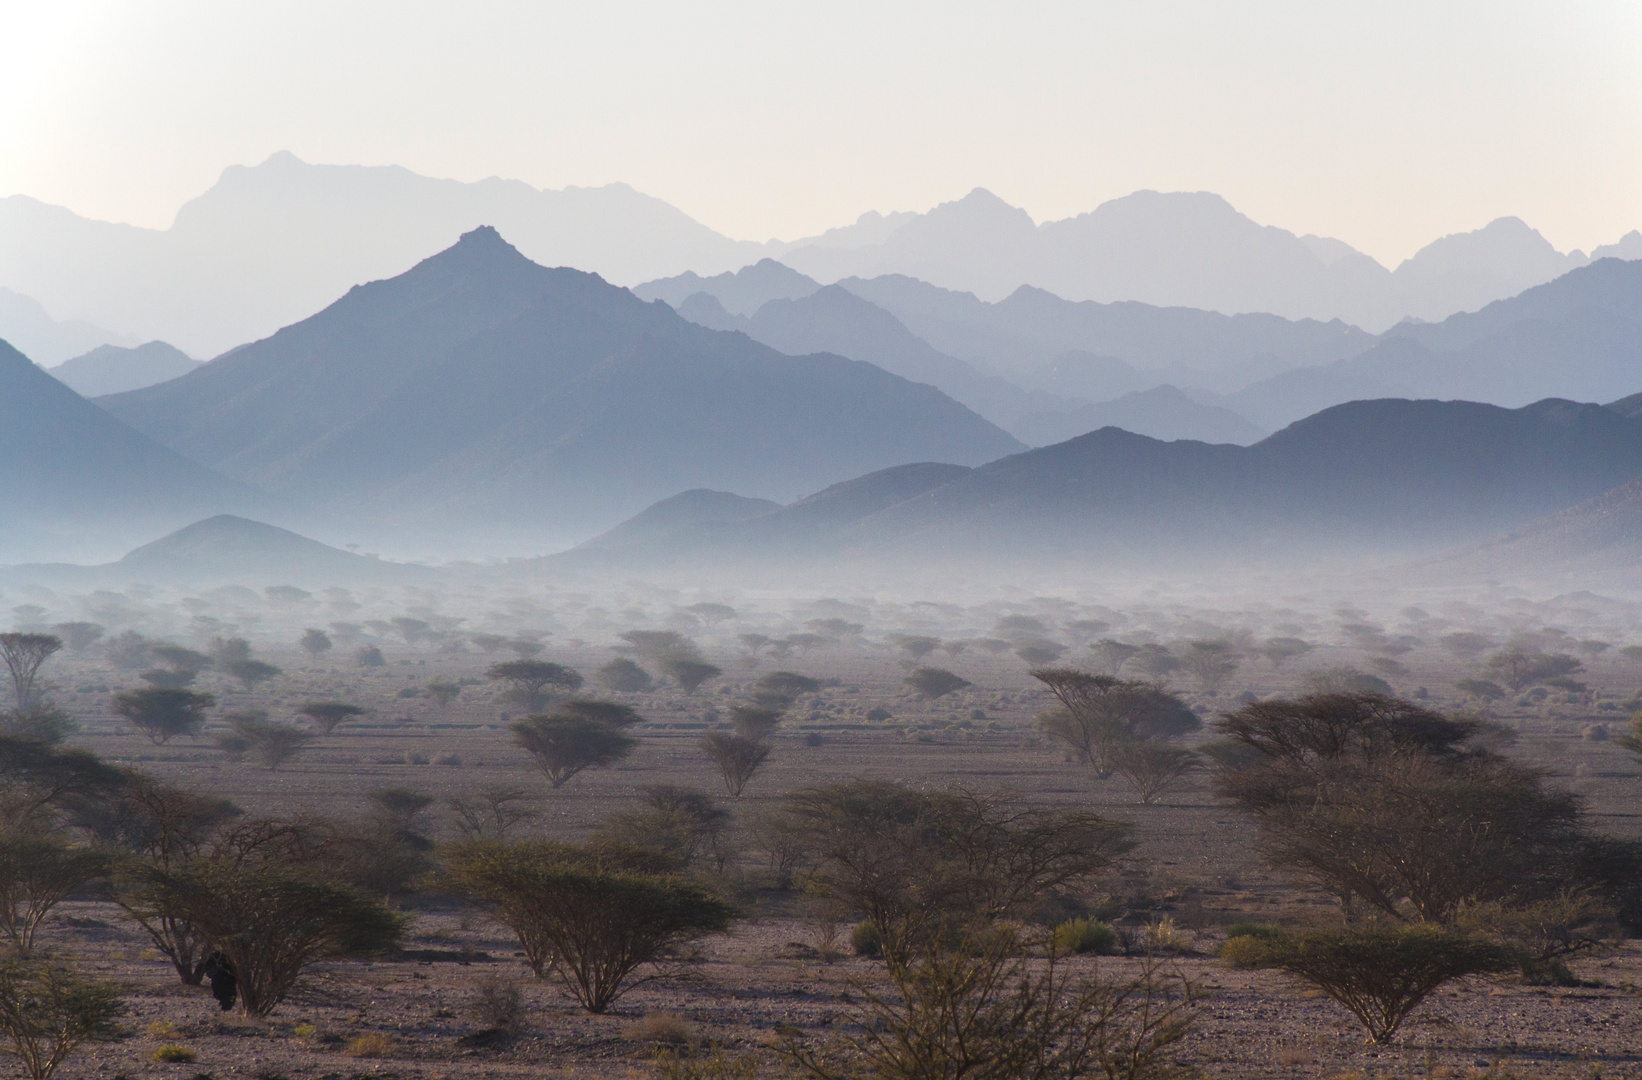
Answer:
(1367, 477)
(113, 369)
(270, 243)
(480, 389)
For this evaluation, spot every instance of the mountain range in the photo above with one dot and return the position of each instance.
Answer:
(1367, 477)
(267, 244)
(479, 391)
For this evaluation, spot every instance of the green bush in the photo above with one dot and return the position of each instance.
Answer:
(176, 1055)
(47, 1012)
(1258, 930)
(1245, 953)
(1082, 936)
(865, 941)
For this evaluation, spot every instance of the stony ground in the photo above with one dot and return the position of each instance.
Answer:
(1196, 863)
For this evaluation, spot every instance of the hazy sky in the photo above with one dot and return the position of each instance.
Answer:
(1383, 123)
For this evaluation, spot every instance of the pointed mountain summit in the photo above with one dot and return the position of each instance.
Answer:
(485, 390)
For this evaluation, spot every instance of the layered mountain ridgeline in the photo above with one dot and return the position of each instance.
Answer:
(270, 243)
(114, 369)
(1370, 477)
(81, 484)
(480, 391)
(1577, 337)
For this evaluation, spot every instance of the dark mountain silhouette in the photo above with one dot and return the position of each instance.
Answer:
(491, 391)
(1163, 412)
(77, 479)
(809, 527)
(684, 511)
(113, 369)
(1367, 477)
(1579, 337)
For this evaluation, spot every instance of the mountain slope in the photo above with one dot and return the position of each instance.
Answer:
(1578, 337)
(493, 391)
(113, 369)
(1377, 477)
(1163, 413)
(230, 548)
(833, 320)
(79, 479)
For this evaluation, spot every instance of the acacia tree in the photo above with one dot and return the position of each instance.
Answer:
(529, 681)
(919, 865)
(23, 655)
(623, 676)
(1100, 713)
(273, 743)
(162, 827)
(1380, 973)
(1388, 804)
(736, 756)
(272, 921)
(47, 1012)
(563, 746)
(161, 713)
(934, 683)
(329, 715)
(315, 642)
(38, 872)
(589, 925)
(1211, 663)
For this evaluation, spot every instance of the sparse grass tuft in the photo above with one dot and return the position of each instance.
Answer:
(658, 1027)
(372, 1044)
(175, 1055)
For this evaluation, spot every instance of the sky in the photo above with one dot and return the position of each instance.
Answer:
(1385, 124)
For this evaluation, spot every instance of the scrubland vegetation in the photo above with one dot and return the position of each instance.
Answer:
(286, 834)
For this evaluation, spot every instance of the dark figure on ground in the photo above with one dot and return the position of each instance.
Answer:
(224, 983)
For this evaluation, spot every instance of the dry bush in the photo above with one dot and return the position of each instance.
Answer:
(675, 827)
(736, 757)
(917, 863)
(372, 1044)
(676, 1065)
(270, 920)
(590, 925)
(1380, 973)
(1152, 768)
(563, 746)
(38, 872)
(979, 1009)
(499, 1005)
(493, 812)
(659, 1027)
(47, 1012)
(174, 1055)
